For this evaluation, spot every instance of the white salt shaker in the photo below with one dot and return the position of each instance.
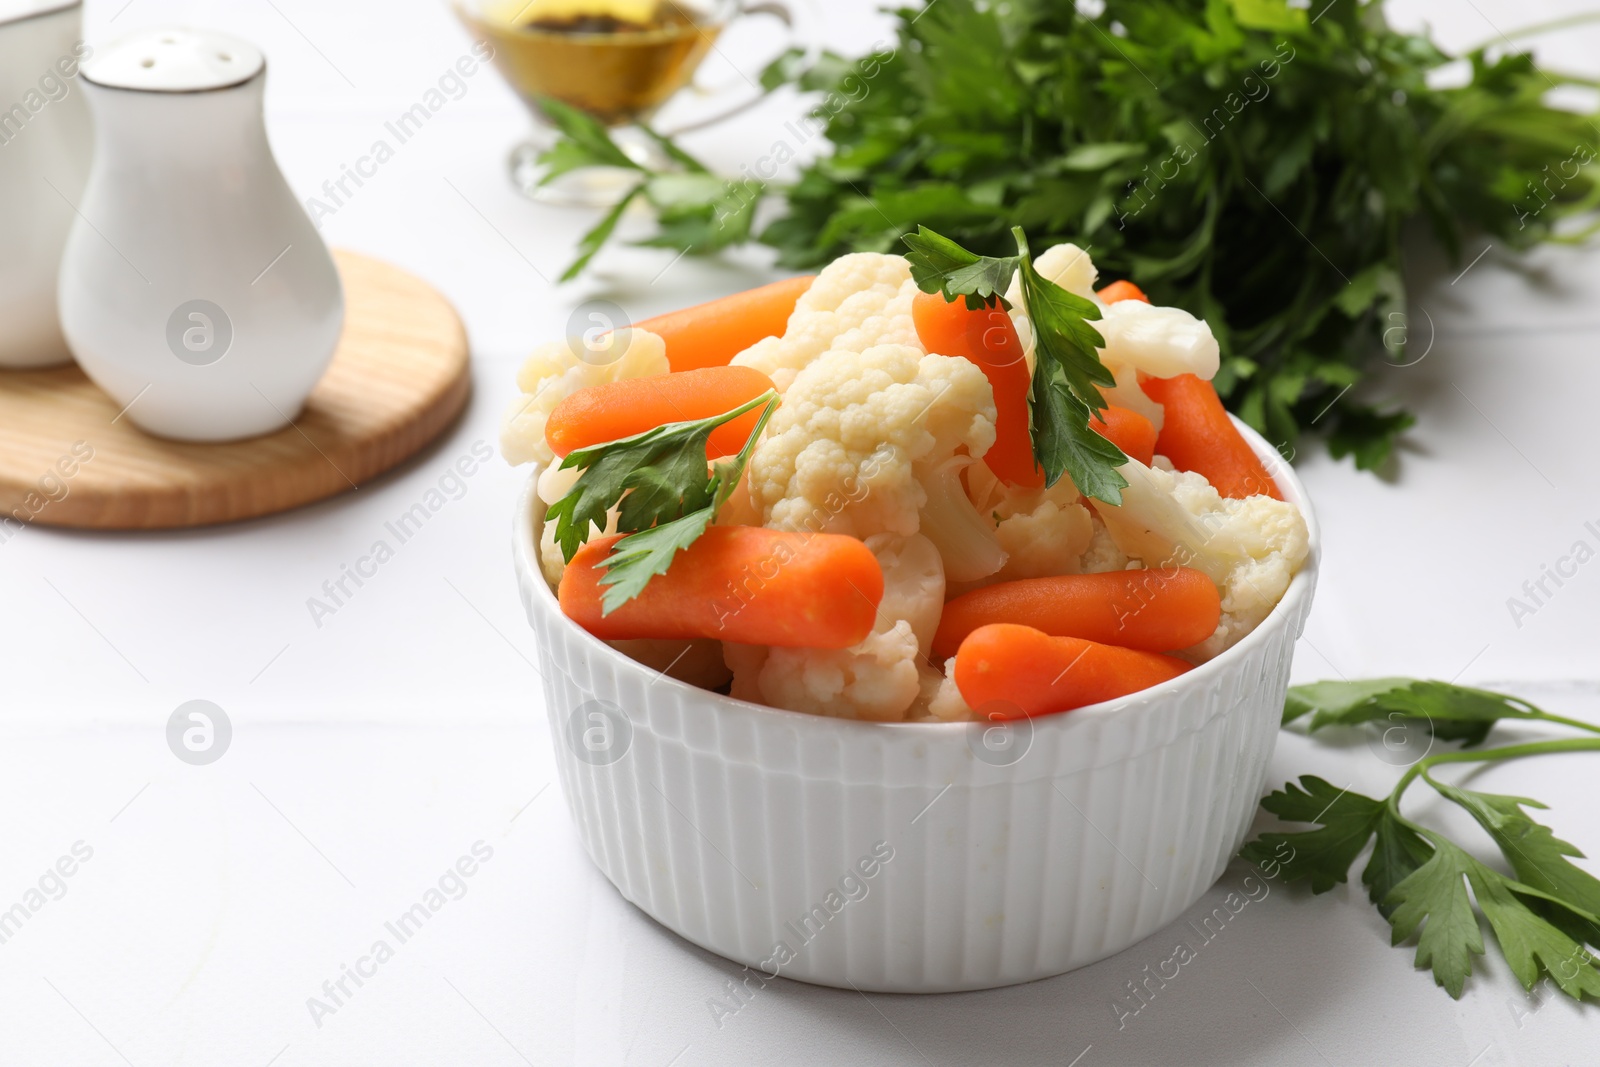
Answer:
(45, 143)
(194, 289)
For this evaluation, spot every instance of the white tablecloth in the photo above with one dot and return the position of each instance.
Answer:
(372, 751)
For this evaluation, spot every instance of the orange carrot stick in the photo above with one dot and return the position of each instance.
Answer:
(1005, 671)
(1123, 290)
(1154, 610)
(746, 584)
(1128, 430)
(987, 338)
(1197, 435)
(614, 410)
(710, 334)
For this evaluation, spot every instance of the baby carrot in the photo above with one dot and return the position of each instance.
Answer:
(1123, 290)
(1197, 435)
(1154, 610)
(710, 334)
(1005, 671)
(614, 410)
(746, 584)
(987, 338)
(1128, 430)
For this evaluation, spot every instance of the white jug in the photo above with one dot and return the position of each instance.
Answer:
(194, 289)
(45, 141)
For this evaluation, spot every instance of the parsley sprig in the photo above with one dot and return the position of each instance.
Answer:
(664, 488)
(1545, 916)
(1067, 370)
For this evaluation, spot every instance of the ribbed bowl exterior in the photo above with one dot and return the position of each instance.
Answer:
(910, 858)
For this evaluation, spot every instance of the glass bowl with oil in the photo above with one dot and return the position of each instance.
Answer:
(618, 61)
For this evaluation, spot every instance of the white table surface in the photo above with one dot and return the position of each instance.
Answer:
(371, 752)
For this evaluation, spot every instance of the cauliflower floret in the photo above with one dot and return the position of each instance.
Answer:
(913, 584)
(560, 368)
(1069, 267)
(882, 676)
(1103, 553)
(968, 539)
(1251, 548)
(929, 684)
(1044, 531)
(857, 302)
(1065, 264)
(1127, 394)
(946, 704)
(1161, 341)
(555, 483)
(867, 443)
(551, 562)
(876, 679)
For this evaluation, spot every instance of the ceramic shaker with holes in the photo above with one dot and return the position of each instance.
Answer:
(45, 142)
(194, 290)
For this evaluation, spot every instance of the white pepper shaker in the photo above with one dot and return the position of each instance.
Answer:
(45, 143)
(194, 289)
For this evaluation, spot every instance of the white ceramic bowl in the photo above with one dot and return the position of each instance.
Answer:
(915, 857)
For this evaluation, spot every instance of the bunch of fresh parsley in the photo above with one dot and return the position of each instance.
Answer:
(1249, 160)
(1545, 915)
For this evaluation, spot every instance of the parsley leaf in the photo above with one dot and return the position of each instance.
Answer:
(1345, 821)
(939, 265)
(1531, 943)
(585, 142)
(1544, 919)
(1434, 898)
(1419, 880)
(665, 490)
(1337, 702)
(1067, 370)
(590, 243)
(1451, 712)
(1367, 434)
(1066, 375)
(1538, 857)
(612, 469)
(1398, 851)
(701, 214)
(1061, 325)
(639, 557)
(1064, 442)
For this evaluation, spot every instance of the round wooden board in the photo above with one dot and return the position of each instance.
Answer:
(397, 380)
